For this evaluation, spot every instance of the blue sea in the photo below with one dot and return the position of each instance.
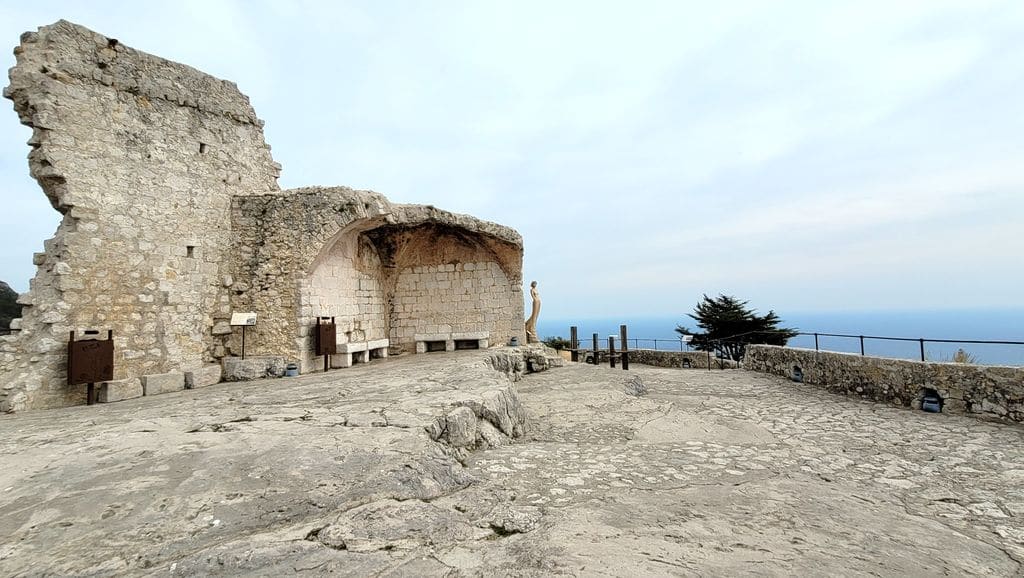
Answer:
(973, 325)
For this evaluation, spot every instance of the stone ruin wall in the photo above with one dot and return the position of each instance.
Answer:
(293, 242)
(142, 156)
(984, 390)
(173, 219)
(661, 358)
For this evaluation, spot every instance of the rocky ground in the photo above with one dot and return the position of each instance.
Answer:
(438, 465)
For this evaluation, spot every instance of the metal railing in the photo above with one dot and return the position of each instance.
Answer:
(921, 341)
(672, 344)
(862, 339)
(681, 345)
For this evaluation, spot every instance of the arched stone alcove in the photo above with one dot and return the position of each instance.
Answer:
(387, 280)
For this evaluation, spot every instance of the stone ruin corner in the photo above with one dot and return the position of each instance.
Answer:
(173, 219)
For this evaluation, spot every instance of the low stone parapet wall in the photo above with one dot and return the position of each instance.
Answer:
(965, 388)
(678, 359)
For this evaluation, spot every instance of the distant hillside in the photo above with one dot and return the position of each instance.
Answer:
(8, 308)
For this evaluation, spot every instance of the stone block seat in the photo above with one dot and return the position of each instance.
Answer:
(431, 342)
(360, 352)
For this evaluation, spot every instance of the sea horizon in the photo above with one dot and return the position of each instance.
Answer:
(970, 324)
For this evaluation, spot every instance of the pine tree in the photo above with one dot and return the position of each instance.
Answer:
(729, 326)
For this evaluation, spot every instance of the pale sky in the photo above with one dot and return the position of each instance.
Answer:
(801, 155)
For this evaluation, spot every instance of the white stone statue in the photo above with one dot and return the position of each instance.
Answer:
(531, 323)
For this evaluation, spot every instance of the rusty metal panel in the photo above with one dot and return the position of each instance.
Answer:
(90, 360)
(326, 337)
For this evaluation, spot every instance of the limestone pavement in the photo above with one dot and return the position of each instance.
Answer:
(376, 470)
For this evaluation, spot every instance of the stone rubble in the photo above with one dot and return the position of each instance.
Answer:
(254, 367)
(156, 384)
(203, 376)
(118, 390)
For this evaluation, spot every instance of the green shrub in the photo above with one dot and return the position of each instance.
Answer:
(557, 342)
(961, 356)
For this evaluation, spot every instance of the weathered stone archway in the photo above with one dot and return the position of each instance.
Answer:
(384, 271)
(393, 280)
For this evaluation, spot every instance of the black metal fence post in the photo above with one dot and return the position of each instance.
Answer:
(574, 344)
(922, 349)
(596, 352)
(816, 342)
(611, 351)
(862, 345)
(624, 337)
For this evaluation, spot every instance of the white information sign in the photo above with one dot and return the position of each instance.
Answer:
(243, 319)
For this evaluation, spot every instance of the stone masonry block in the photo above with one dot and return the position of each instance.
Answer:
(238, 369)
(341, 360)
(352, 347)
(204, 376)
(158, 383)
(117, 390)
(431, 336)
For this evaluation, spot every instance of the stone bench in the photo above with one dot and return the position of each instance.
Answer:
(430, 342)
(360, 352)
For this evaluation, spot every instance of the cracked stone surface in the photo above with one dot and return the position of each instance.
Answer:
(373, 470)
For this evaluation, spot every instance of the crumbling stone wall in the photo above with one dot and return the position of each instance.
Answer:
(965, 388)
(661, 358)
(142, 156)
(173, 220)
